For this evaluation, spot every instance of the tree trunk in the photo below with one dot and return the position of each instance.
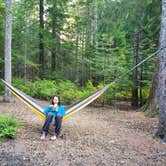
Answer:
(82, 80)
(161, 90)
(87, 42)
(56, 40)
(77, 52)
(134, 101)
(53, 52)
(41, 44)
(141, 86)
(94, 39)
(8, 35)
(55, 49)
(152, 103)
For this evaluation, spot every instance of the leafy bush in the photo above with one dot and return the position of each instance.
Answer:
(68, 91)
(8, 132)
(146, 92)
(2, 86)
(44, 89)
(89, 89)
(19, 84)
(26, 88)
(8, 126)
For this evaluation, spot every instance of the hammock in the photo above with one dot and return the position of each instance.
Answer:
(38, 109)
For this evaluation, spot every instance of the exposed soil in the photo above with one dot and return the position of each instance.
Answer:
(95, 136)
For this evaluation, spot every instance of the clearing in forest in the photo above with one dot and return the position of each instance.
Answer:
(93, 136)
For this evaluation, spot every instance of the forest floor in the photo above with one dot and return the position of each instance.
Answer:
(95, 136)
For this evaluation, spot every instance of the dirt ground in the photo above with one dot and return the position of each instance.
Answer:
(95, 136)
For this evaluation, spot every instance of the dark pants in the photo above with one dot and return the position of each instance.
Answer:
(48, 121)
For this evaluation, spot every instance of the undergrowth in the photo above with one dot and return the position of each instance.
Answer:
(8, 126)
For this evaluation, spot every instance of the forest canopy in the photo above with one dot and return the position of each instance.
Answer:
(76, 44)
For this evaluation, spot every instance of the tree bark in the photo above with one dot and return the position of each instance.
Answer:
(88, 37)
(8, 36)
(56, 40)
(161, 90)
(141, 86)
(94, 39)
(152, 102)
(77, 49)
(41, 44)
(55, 48)
(134, 101)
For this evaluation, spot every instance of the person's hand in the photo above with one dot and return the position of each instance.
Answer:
(55, 107)
(51, 106)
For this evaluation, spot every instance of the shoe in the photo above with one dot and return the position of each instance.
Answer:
(53, 137)
(43, 136)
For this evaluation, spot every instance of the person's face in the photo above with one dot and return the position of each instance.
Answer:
(55, 100)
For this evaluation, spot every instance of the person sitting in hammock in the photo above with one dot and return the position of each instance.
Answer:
(53, 112)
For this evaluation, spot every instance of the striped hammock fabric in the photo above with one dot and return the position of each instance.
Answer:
(37, 109)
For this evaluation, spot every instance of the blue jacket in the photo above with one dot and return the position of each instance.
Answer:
(61, 110)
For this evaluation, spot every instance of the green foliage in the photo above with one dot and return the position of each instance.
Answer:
(44, 89)
(88, 90)
(2, 87)
(8, 126)
(2, 8)
(19, 84)
(83, 40)
(145, 92)
(41, 89)
(68, 91)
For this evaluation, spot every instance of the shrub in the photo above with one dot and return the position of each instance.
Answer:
(2, 86)
(88, 90)
(68, 91)
(19, 84)
(8, 126)
(44, 89)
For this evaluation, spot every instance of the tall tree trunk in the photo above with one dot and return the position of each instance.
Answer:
(76, 52)
(161, 90)
(8, 36)
(41, 44)
(134, 101)
(54, 54)
(82, 82)
(88, 41)
(141, 86)
(25, 65)
(56, 39)
(152, 102)
(53, 51)
(94, 38)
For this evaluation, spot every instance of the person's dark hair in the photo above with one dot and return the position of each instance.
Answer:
(52, 100)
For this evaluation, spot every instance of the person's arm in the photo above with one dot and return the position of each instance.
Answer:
(46, 110)
(62, 111)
